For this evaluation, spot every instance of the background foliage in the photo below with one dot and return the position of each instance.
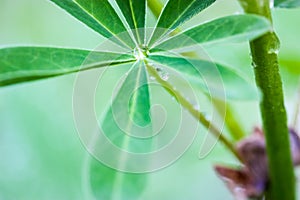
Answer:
(41, 154)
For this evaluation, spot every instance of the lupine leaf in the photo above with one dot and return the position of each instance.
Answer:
(175, 13)
(22, 64)
(100, 16)
(134, 12)
(233, 28)
(129, 112)
(108, 183)
(209, 77)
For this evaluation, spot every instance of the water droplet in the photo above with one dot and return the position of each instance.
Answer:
(152, 78)
(151, 64)
(197, 107)
(254, 64)
(140, 52)
(273, 51)
(158, 69)
(271, 3)
(274, 45)
(207, 116)
(163, 74)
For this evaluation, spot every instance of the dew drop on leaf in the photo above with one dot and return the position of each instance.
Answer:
(152, 78)
(197, 107)
(163, 74)
(165, 77)
(158, 69)
(207, 116)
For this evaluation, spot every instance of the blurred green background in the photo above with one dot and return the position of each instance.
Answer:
(41, 156)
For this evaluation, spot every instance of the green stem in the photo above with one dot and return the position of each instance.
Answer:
(265, 61)
(231, 122)
(196, 113)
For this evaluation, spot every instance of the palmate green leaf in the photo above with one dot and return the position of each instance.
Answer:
(129, 113)
(134, 12)
(108, 183)
(209, 77)
(287, 3)
(100, 16)
(22, 64)
(233, 28)
(175, 13)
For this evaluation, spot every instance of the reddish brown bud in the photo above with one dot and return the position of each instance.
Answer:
(251, 180)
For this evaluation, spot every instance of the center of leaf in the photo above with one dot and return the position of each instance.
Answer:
(140, 52)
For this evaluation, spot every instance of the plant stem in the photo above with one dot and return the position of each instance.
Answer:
(265, 61)
(196, 113)
(231, 122)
